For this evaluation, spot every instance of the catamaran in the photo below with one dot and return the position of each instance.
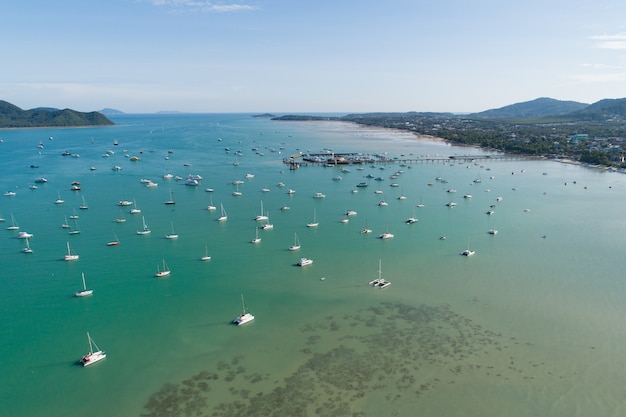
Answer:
(84, 292)
(245, 316)
(93, 356)
(380, 282)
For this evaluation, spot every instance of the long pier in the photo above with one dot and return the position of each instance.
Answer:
(352, 158)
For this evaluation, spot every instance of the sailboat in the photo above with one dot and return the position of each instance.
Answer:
(75, 230)
(296, 243)
(172, 235)
(84, 205)
(211, 207)
(144, 230)
(115, 242)
(380, 282)
(261, 216)
(314, 223)
(65, 225)
(366, 229)
(70, 256)
(94, 355)
(14, 225)
(59, 200)
(468, 251)
(206, 256)
(27, 249)
(163, 272)
(245, 316)
(386, 235)
(257, 239)
(268, 225)
(223, 217)
(237, 193)
(135, 209)
(84, 292)
(171, 200)
(411, 219)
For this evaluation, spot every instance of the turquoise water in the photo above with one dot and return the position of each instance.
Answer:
(533, 322)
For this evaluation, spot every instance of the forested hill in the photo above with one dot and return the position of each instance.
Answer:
(12, 116)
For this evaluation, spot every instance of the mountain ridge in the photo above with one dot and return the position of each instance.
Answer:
(12, 116)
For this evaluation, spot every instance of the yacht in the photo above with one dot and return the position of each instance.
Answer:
(257, 239)
(172, 235)
(70, 256)
(223, 217)
(93, 356)
(319, 195)
(165, 272)
(296, 243)
(144, 230)
(261, 217)
(493, 231)
(84, 292)
(305, 262)
(245, 316)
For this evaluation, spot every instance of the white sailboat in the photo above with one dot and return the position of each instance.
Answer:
(27, 249)
(261, 217)
(237, 193)
(172, 235)
(268, 225)
(314, 223)
(223, 217)
(65, 224)
(411, 219)
(14, 225)
(135, 209)
(366, 229)
(162, 272)
(245, 316)
(84, 292)
(206, 256)
(211, 207)
(380, 282)
(468, 251)
(296, 243)
(84, 205)
(145, 230)
(115, 242)
(75, 230)
(386, 235)
(94, 355)
(257, 239)
(70, 256)
(59, 200)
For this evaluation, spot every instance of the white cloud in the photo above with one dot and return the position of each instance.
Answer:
(615, 41)
(600, 78)
(203, 6)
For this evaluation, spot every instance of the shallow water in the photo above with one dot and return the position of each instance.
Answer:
(531, 322)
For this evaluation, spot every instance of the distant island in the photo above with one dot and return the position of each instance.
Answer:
(12, 116)
(593, 134)
(264, 115)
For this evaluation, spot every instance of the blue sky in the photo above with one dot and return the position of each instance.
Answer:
(309, 56)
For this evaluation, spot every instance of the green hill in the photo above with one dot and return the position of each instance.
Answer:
(12, 116)
(534, 109)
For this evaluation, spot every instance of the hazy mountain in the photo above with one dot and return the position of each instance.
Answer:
(110, 112)
(13, 116)
(534, 109)
(603, 110)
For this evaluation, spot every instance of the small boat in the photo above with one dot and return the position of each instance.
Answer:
(135, 209)
(261, 217)
(211, 207)
(14, 225)
(296, 243)
(162, 272)
(115, 242)
(59, 200)
(268, 225)
(145, 230)
(75, 230)
(291, 192)
(172, 235)
(65, 225)
(386, 235)
(305, 262)
(237, 193)
(468, 251)
(171, 200)
(41, 180)
(366, 229)
(27, 249)
(94, 355)
(206, 256)
(257, 239)
(120, 219)
(314, 223)
(493, 231)
(411, 219)
(223, 217)
(350, 213)
(124, 203)
(245, 316)
(84, 205)
(24, 235)
(319, 195)
(70, 256)
(84, 292)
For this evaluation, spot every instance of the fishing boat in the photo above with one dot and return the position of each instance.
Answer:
(223, 217)
(296, 243)
(314, 223)
(70, 256)
(245, 316)
(172, 235)
(95, 353)
(115, 242)
(305, 262)
(84, 292)
(261, 217)
(162, 272)
(145, 230)
(206, 256)
(171, 200)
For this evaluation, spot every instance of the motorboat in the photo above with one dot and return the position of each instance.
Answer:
(305, 262)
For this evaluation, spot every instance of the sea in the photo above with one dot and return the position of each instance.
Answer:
(531, 324)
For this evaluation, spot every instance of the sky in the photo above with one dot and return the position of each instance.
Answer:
(289, 56)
